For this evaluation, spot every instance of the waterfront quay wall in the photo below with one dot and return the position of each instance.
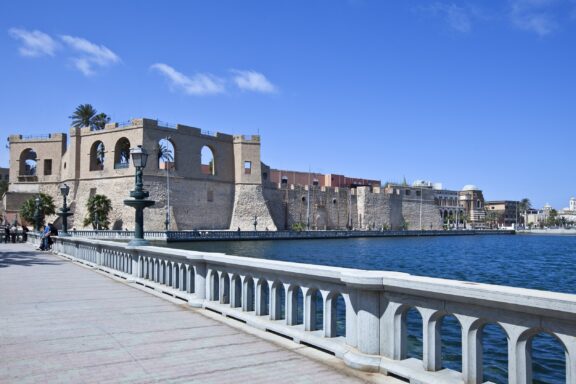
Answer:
(373, 336)
(183, 236)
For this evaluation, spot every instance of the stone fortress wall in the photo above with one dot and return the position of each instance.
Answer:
(235, 190)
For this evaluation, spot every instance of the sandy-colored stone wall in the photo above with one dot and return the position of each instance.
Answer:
(239, 188)
(249, 202)
(330, 208)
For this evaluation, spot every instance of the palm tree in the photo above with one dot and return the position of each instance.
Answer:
(524, 206)
(99, 206)
(28, 208)
(165, 153)
(83, 115)
(86, 116)
(99, 121)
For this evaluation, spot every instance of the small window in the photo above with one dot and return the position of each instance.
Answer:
(265, 176)
(47, 167)
(407, 192)
(303, 199)
(210, 195)
(284, 180)
(315, 182)
(247, 167)
(418, 193)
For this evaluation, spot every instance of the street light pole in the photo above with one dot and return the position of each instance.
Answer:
(64, 211)
(167, 166)
(421, 207)
(308, 203)
(37, 214)
(139, 195)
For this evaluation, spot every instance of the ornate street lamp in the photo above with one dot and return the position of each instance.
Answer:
(139, 158)
(64, 211)
(37, 214)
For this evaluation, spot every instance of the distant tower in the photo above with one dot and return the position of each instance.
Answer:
(573, 204)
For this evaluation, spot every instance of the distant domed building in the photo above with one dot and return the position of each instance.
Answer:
(472, 199)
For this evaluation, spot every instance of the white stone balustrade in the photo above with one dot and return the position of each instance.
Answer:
(274, 295)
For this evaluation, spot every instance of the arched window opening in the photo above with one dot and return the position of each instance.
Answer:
(414, 346)
(494, 354)
(207, 166)
(548, 359)
(28, 162)
(284, 180)
(478, 204)
(166, 155)
(97, 152)
(122, 154)
(451, 332)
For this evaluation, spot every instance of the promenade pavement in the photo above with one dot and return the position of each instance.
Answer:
(62, 322)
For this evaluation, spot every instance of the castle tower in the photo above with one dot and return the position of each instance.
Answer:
(249, 202)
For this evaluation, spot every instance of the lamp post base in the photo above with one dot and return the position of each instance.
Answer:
(138, 242)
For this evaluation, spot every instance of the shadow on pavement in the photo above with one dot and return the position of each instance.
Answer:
(24, 258)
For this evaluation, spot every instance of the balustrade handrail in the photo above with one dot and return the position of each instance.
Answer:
(376, 303)
(381, 280)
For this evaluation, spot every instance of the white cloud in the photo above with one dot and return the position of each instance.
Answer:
(34, 43)
(458, 18)
(538, 16)
(198, 84)
(253, 81)
(92, 55)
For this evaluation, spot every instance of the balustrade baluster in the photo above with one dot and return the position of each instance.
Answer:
(247, 293)
(261, 309)
(471, 349)
(200, 281)
(329, 302)
(275, 308)
(224, 288)
(235, 299)
(519, 355)
(309, 309)
(181, 277)
(350, 299)
(174, 280)
(291, 303)
(432, 342)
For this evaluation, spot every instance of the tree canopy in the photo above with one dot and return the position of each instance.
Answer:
(28, 209)
(99, 207)
(85, 115)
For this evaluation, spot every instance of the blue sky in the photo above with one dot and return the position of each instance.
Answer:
(458, 92)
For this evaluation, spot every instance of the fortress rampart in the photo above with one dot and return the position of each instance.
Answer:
(227, 192)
